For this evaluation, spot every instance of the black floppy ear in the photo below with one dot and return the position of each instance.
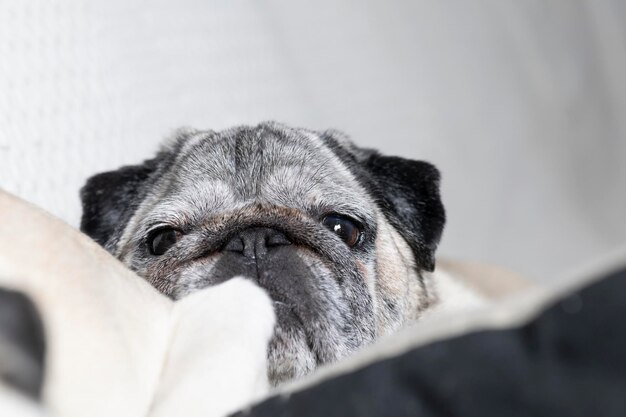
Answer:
(409, 194)
(110, 199)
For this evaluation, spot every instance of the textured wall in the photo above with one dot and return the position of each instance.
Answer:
(521, 104)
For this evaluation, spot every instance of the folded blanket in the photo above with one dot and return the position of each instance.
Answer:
(114, 345)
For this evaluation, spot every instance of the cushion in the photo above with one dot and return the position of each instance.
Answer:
(117, 347)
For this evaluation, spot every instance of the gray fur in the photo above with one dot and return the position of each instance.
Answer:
(213, 186)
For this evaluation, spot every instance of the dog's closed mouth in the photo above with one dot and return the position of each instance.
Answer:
(288, 313)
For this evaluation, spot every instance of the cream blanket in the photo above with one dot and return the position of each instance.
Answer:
(115, 346)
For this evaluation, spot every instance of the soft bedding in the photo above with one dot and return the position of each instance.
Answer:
(98, 340)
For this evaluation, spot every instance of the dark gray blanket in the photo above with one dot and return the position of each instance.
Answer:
(22, 343)
(568, 361)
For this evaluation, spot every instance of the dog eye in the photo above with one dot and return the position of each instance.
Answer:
(343, 227)
(161, 240)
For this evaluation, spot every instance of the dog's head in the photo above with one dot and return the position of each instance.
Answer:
(340, 237)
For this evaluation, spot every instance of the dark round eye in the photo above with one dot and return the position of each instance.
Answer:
(344, 227)
(161, 240)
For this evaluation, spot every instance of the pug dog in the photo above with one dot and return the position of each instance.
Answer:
(341, 238)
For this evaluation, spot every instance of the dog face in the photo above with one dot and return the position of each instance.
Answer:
(340, 237)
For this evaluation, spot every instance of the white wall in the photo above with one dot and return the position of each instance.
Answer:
(522, 104)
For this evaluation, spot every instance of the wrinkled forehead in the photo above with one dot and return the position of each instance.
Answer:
(217, 172)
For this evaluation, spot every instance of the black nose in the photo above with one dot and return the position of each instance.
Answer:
(255, 242)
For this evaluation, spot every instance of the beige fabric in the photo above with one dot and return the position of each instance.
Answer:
(14, 404)
(114, 341)
(117, 347)
(490, 281)
(217, 358)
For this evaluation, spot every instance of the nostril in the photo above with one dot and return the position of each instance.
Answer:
(254, 243)
(234, 245)
(277, 239)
